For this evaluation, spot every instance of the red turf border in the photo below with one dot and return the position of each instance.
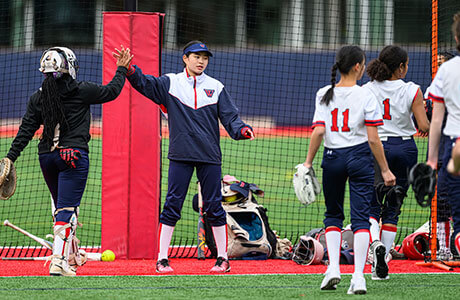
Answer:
(198, 267)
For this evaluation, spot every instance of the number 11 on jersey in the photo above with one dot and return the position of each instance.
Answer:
(335, 114)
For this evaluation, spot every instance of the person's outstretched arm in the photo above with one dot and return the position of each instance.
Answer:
(98, 94)
(228, 115)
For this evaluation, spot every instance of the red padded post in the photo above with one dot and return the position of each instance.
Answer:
(131, 142)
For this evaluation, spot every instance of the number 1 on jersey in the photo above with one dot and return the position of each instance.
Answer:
(335, 114)
(386, 109)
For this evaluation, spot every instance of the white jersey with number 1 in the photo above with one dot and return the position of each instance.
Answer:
(347, 115)
(445, 88)
(395, 98)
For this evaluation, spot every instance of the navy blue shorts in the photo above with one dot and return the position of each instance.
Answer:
(442, 185)
(401, 156)
(354, 164)
(66, 184)
(179, 176)
(452, 184)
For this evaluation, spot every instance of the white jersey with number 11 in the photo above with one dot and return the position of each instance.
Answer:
(347, 115)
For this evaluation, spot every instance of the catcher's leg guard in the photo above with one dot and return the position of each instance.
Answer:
(63, 235)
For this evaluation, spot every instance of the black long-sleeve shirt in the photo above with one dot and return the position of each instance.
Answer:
(76, 98)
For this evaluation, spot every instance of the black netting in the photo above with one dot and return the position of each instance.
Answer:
(271, 55)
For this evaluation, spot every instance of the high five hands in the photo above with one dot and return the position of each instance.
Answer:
(123, 57)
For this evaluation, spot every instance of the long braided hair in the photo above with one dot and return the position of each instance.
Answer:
(346, 58)
(52, 109)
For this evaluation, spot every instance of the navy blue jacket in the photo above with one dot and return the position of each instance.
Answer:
(194, 106)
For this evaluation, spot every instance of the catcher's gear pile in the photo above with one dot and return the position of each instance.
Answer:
(7, 179)
(423, 180)
(306, 185)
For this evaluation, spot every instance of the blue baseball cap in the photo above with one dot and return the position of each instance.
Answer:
(198, 47)
(241, 187)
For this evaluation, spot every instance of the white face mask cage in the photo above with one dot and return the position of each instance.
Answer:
(308, 251)
(59, 60)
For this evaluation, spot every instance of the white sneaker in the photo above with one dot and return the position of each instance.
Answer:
(357, 286)
(379, 262)
(331, 279)
(60, 267)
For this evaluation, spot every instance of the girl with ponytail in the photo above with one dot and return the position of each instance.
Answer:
(399, 101)
(347, 116)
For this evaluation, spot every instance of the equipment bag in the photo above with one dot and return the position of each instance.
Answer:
(249, 233)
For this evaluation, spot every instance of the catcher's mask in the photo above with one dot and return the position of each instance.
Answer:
(415, 245)
(59, 61)
(308, 251)
(423, 180)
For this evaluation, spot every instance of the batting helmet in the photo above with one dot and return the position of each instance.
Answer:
(423, 180)
(233, 193)
(416, 245)
(308, 251)
(59, 60)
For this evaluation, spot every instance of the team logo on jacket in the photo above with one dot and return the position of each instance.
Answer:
(209, 93)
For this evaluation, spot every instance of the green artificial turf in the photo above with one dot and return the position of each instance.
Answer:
(400, 286)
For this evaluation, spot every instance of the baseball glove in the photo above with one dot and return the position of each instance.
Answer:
(7, 179)
(423, 180)
(306, 185)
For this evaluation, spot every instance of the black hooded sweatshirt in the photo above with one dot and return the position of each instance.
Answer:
(76, 98)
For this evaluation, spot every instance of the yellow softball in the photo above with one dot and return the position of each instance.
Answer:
(108, 255)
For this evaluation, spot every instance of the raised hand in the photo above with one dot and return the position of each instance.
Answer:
(123, 57)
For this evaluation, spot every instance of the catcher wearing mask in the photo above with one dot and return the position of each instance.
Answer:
(62, 105)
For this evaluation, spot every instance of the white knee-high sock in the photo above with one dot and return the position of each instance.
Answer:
(220, 236)
(166, 233)
(388, 236)
(333, 243)
(374, 229)
(360, 248)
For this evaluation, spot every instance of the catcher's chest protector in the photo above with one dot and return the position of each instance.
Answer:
(246, 230)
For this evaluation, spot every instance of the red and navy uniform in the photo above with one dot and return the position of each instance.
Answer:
(395, 98)
(445, 89)
(195, 105)
(347, 155)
